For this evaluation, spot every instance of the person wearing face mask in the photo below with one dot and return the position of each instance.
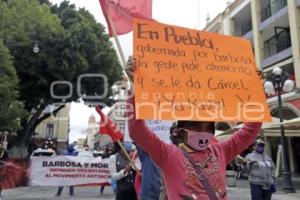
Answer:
(70, 151)
(195, 169)
(122, 171)
(261, 172)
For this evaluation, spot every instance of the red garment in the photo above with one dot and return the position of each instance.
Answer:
(137, 184)
(138, 177)
(107, 127)
(180, 177)
(122, 12)
(13, 173)
(214, 140)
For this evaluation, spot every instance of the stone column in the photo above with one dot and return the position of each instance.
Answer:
(291, 155)
(257, 35)
(294, 22)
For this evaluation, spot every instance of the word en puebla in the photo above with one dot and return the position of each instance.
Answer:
(170, 34)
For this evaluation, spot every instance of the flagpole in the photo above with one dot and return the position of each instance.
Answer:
(127, 156)
(124, 64)
(115, 35)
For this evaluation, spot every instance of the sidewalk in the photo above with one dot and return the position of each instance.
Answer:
(239, 193)
(48, 193)
(242, 191)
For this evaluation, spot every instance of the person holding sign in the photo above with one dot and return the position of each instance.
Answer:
(69, 151)
(196, 168)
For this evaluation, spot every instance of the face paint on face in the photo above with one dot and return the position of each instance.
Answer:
(198, 140)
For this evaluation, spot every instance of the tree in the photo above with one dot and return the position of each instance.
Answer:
(89, 38)
(46, 2)
(11, 110)
(70, 44)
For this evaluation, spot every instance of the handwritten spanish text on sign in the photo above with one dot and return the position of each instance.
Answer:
(195, 75)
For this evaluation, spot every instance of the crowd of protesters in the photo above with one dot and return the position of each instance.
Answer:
(192, 166)
(161, 171)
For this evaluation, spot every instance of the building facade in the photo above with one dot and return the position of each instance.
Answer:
(92, 131)
(116, 113)
(93, 139)
(273, 28)
(54, 128)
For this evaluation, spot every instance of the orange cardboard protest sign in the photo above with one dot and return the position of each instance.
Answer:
(184, 74)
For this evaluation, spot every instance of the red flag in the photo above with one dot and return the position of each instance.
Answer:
(107, 127)
(121, 13)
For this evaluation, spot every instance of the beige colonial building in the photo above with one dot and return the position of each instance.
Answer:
(81, 142)
(95, 140)
(116, 113)
(92, 131)
(55, 128)
(273, 28)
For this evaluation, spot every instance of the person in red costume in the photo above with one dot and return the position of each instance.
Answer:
(180, 165)
(13, 172)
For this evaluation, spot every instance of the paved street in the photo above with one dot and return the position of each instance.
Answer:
(238, 193)
(242, 191)
(48, 193)
(92, 193)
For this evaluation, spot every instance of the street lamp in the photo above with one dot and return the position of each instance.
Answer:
(279, 82)
(36, 48)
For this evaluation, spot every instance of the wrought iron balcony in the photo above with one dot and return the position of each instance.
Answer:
(246, 27)
(272, 8)
(277, 43)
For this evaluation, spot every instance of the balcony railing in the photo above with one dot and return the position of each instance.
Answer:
(246, 27)
(272, 8)
(277, 43)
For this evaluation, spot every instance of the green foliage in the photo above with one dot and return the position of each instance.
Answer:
(25, 23)
(70, 42)
(10, 109)
(87, 37)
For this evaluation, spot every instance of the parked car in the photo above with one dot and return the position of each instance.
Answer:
(43, 152)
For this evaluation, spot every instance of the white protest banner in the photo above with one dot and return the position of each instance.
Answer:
(161, 128)
(68, 170)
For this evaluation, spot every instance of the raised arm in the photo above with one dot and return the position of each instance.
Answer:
(139, 132)
(113, 169)
(145, 139)
(240, 140)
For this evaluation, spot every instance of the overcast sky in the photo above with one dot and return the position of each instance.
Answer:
(185, 13)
